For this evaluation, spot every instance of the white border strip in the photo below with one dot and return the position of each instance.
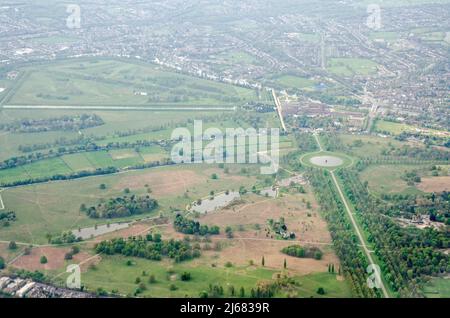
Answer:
(2, 206)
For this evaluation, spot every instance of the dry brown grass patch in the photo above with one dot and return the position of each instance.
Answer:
(435, 184)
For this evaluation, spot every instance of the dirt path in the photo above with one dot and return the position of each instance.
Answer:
(279, 109)
(2, 206)
(318, 141)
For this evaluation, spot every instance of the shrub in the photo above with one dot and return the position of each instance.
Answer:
(186, 276)
(12, 245)
(43, 259)
(75, 249)
(152, 279)
(68, 256)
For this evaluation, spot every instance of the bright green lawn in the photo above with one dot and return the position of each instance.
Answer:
(351, 66)
(296, 82)
(78, 162)
(437, 288)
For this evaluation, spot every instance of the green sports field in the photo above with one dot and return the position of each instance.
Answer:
(291, 81)
(352, 66)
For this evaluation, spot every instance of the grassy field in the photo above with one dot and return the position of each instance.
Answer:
(115, 121)
(238, 57)
(437, 288)
(77, 162)
(365, 146)
(42, 168)
(117, 83)
(104, 82)
(392, 127)
(113, 274)
(40, 208)
(387, 36)
(118, 158)
(387, 179)
(71, 163)
(10, 142)
(296, 82)
(397, 128)
(351, 66)
(152, 154)
(121, 158)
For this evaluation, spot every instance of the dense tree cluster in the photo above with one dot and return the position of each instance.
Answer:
(305, 142)
(63, 238)
(259, 107)
(407, 254)
(188, 226)
(291, 160)
(36, 276)
(332, 142)
(304, 121)
(7, 217)
(427, 153)
(263, 289)
(122, 207)
(301, 252)
(411, 177)
(426, 139)
(64, 123)
(394, 160)
(150, 247)
(436, 205)
(353, 260)
(280, 228)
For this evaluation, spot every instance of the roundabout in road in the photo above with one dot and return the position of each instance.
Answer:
(326, 159)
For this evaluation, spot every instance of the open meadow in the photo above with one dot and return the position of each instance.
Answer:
(230, 262)
(98, 82)
(40, 210)
(348, 67)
